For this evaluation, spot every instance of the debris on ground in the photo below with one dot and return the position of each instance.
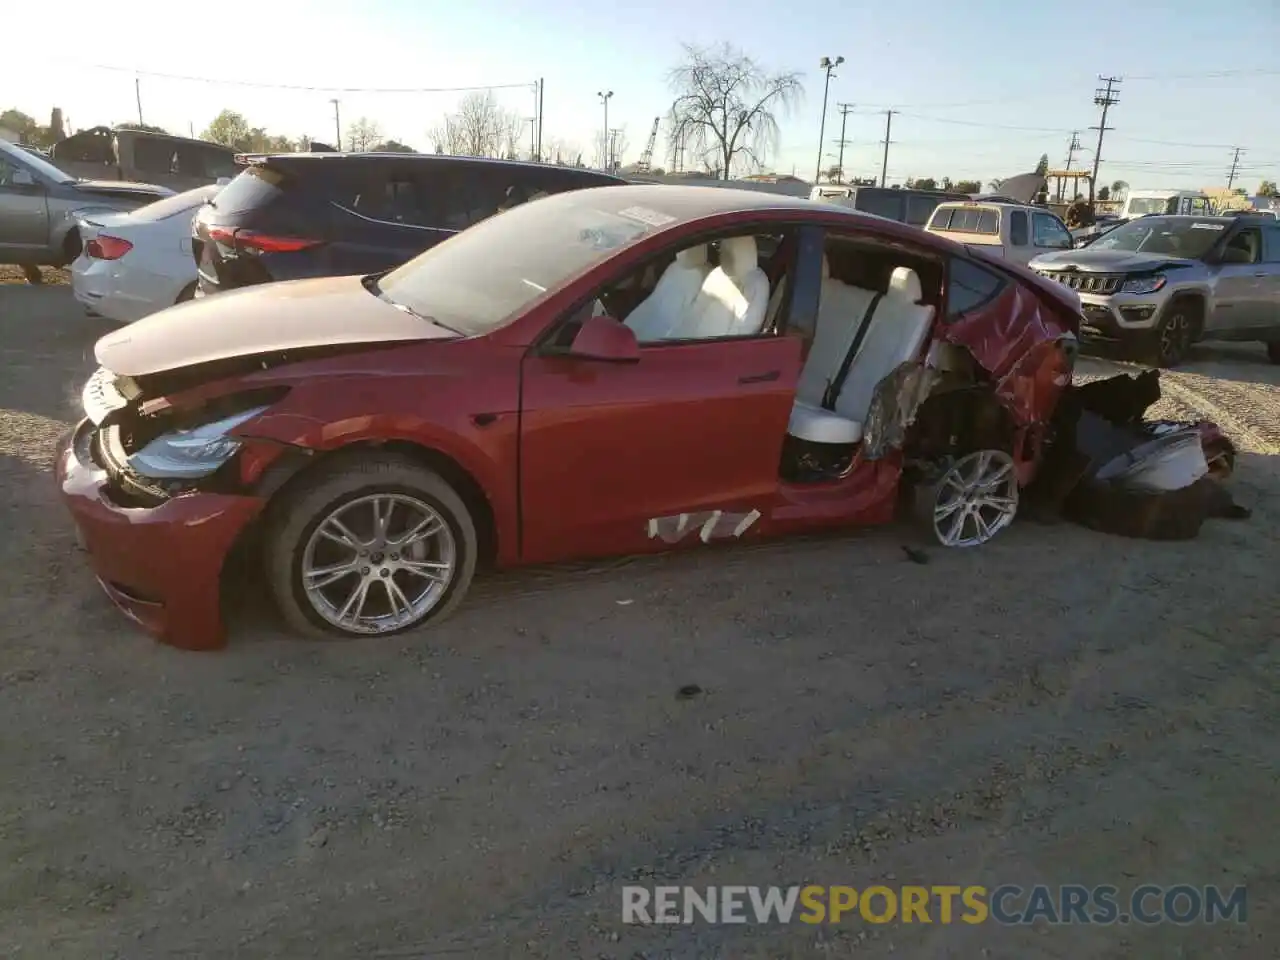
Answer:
(915, 554)
(1110, 469)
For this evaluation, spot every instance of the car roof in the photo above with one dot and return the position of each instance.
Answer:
(281, 159)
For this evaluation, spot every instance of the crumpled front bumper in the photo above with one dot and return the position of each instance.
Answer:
(161, 565)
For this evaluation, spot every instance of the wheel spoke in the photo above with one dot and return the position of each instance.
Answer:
(400, 604)
(426, 569)
(340, 533)
(984, 529)
(980, 468)
(381, 521)
(947, 509)
(999, 476)
(425, 528)
(355, 603)
(325, 576)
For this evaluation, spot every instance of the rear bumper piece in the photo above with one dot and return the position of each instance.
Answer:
(161, 565)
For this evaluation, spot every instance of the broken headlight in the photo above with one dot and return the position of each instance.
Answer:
(192, 453)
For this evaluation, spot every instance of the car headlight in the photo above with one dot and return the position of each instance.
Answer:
(193, 453)
(1144, 285)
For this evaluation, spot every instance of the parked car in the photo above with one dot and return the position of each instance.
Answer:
(136, 263)
(604, 371)
(296, 215)
(1011, 231)
(906, 206)
(40, 206)
(179, 163)
(1158, 284)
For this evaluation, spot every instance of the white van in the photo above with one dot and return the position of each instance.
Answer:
(1010, 231)
(1140, 203)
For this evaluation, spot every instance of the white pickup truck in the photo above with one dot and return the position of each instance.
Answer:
(1011, 231)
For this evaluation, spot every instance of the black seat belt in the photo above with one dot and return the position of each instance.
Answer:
(836, 383)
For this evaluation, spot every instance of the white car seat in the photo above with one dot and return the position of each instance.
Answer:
(658, 314)
(841, 309)
(896, 333)
(733, 298)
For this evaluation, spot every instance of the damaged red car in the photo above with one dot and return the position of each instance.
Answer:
(607, 371)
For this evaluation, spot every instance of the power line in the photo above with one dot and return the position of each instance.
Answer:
(1106, 99)
(230, 81)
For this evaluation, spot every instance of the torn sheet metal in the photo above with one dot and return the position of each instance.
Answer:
(894, 406)
(707, 526)
(1012, 343)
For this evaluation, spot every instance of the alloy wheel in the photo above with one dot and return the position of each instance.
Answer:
(975, 499)
(1175, 337)
(378, 563)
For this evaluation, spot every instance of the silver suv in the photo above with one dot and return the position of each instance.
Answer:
(1158, 284)
(40, 206)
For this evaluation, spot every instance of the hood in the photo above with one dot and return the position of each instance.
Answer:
(122, 188)
(269, 318)
(1107, 261)
(1024, 188)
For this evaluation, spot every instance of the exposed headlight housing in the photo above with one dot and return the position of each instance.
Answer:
(193, 453)
(1144, 284)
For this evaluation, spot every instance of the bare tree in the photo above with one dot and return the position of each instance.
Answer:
(363, 134)
(727, 107)
(560, 151)
(620, 147)
(479, 128)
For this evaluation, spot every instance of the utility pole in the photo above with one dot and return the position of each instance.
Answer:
(613, 147)
(1072, 149)
(827, 64)
(845, 110)
(1105, 98)
(888, 126)
(1235, 164)
(337, 126)
(541, 91)
(137, 92)
(604, 144)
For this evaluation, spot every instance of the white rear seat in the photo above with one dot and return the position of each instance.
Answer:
(658, 314)
(895, 334)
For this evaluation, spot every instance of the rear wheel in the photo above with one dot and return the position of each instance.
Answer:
(374, 546)
(71, 247)
(973, 500)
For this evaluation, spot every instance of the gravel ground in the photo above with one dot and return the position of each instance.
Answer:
(1059, 707)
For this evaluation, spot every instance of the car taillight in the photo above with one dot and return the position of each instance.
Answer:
(107, 248)
(262, 242)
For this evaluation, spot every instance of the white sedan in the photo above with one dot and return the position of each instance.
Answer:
(133, 264)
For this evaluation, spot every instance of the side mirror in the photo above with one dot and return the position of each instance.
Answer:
(607, 340)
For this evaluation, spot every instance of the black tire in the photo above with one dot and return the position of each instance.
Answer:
(1175, 333)
(71, 247)
(292, 521)
(33, 274)
(1273, 351)
(187, 293)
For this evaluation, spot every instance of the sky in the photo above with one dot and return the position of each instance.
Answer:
(981, 89)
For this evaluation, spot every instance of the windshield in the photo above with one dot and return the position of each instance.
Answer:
(38, 164)
(1171, 236)
(1141, 206)
(480, 277)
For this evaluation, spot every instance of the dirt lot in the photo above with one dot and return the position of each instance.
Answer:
(1059, 707)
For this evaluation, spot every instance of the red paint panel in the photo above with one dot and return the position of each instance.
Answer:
(606, 446)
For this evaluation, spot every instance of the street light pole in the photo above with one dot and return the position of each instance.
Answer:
(605, 146)
(827, 64)
(337, 126)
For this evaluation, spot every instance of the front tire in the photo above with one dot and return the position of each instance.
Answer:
(369, 547)
(974, 499)
(1174, 335)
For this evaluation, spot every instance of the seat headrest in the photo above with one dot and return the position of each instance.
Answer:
(738, 255)
(905, 283)
(693, 256)
(826, 268)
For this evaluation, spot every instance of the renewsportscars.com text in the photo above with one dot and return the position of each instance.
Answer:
(1006, 904)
